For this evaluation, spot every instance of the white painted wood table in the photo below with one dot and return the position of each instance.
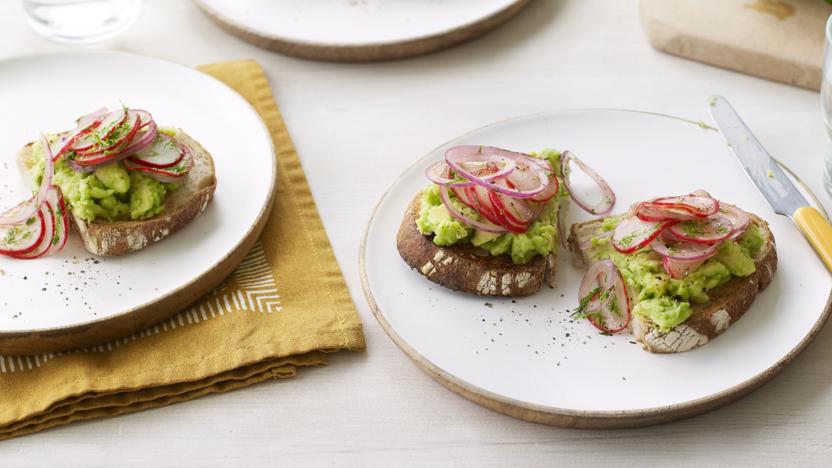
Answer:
(357, 127)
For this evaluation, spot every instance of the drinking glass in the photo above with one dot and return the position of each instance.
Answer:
(81, 21)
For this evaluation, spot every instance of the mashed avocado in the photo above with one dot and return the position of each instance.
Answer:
(110, 192)
(666, 301)
(541, 237)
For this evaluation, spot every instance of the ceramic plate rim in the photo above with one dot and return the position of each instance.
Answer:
(470, 391)
(263, 209)
(368, 45)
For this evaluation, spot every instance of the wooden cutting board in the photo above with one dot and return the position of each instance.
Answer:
(780, 40)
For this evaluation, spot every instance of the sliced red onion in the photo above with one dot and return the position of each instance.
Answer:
(486, 227)
(607, 195)
(525, 174)
(605, 296)
(20, 216)
(438, 172)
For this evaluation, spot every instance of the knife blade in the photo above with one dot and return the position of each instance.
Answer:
(770, 180)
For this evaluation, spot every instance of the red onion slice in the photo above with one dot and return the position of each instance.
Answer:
(604, 296)
(529, 177)
(486, 227)
(440, 173)
(597, 237)
(607, 195)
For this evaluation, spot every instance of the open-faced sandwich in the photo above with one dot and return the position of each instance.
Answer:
(676, 271)
(120, 179)
(490, 222)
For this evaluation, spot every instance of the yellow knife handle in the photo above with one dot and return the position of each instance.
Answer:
(817, 229)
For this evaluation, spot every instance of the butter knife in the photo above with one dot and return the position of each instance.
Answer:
(770, 180)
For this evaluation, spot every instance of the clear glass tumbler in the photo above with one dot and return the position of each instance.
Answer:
(81, 21)
(826, 102)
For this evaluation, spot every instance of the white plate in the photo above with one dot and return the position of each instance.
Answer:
(313, 27)
(46, 93)
(527, 357)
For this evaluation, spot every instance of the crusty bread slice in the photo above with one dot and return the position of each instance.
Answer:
(111, 238)
(728, 302)
(467, 268)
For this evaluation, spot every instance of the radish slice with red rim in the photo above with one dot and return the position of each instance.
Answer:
(48, 215)
(675, 249)
(698, 205)
(459, 216)
(739, 219)
(603, 297)
(648, 211)
(710, 230)
(109, 147)
(22, 238)
(56, 199)
(678, 269)
(632, 234)
(163, 153)
(28, 210)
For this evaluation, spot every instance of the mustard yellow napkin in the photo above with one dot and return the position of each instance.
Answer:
(276, 312)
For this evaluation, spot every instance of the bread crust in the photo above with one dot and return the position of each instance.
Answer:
(727, 304)
(114, 238)
(466, 268)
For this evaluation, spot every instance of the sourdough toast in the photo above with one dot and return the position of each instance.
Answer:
(112, 238)
(728, 302)
(466, 268)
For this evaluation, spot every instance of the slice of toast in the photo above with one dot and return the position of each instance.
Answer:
(112, 238)
(728, 302)
(466, 268)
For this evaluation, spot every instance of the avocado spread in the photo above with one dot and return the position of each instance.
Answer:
(109, 192)
(665, 301)
(541, 237)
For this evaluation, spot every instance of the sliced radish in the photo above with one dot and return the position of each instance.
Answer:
(698, 205)
(105, 151)
(704, 231)
(604, 298)
(549, 192)
(22, 238)
(485, 226)
(739, 218)
(678, 269)
(649, 211)
(163, 153)
(632, 234)
(48, 216)
(510, 222)
(56, 199)
(669, 246)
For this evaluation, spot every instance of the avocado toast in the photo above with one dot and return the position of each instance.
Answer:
(490, 222)
(691, 267)
(123, 182)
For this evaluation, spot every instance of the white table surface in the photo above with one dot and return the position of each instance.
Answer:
(367, 123)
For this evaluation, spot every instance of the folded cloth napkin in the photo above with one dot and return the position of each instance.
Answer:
(276, 312)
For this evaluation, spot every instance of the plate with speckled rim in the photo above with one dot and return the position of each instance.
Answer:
(76, 299)
(527, 357)
(359, 30)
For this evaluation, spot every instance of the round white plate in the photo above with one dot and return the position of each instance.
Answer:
(74, 288)
(359, 29)
(527, 357)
